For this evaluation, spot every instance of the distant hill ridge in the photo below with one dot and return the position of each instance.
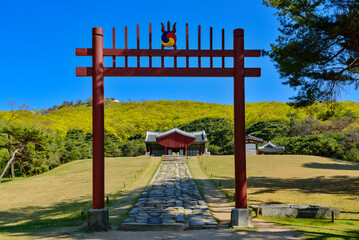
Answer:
(125, 119)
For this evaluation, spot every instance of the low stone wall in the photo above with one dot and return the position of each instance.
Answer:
(296, 211)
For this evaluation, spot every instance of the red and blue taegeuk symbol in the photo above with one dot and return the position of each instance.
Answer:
(168, 39)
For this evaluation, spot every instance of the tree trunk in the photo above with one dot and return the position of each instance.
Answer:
(12, 169)
(9, 162)
(22, 169)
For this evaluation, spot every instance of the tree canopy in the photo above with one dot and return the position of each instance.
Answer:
(269, 129)
(219, 131)
(318, 48)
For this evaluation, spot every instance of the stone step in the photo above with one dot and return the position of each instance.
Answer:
(153, 227)
(173, 158)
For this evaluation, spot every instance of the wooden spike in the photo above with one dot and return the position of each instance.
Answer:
(187, 46)
(175, 57)
(199, 45)
(223, 63)
(150, 43)
(211, 45)
(113, 46)
(138, 44)
(126, 47)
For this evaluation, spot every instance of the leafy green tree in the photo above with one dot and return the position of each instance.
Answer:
(112, 143)
(78, 145)
(19, 140)
(269, 129)
(228, 149)
(137, 136)
(350, 143)
(219, 131)
(38, 158)
(318, 48)
(324, 145)
(133, 148)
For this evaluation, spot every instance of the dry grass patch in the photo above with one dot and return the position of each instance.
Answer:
(296, 179)
(291, 179)
(56, 198)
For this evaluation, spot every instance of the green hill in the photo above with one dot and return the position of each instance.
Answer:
(126, 119)
(51, 137)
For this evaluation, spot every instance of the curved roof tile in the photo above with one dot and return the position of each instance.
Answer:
(200, 136)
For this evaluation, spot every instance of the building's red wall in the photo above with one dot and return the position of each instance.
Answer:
(175, 140)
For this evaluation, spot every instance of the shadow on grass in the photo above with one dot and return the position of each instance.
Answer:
(4, 180)
(62, 219)
(311, 228)
(328, 185)
(334, 166)
(37, 219)
(320, 228)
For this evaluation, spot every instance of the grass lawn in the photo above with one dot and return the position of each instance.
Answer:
(298, 179)
(55, 199)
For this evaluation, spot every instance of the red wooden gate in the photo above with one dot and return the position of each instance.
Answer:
(98, 72)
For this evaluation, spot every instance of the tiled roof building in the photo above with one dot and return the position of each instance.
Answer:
(176, 141)
(271, 148)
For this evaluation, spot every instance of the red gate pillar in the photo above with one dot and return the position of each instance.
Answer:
(98, 198)
(240, 216)
(98, 216)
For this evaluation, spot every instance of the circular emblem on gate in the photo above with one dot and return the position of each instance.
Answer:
(169, 38)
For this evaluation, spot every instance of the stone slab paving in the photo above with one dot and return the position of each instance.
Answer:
(171, 202)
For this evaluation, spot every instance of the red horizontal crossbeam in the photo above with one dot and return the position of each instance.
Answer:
(166, 53)
(167, 72)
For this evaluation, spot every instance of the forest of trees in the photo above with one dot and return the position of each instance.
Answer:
(37, 141)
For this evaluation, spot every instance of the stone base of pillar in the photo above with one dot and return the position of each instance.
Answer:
(241, 217)
(98, 220)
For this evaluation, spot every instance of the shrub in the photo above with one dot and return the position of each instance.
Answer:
(214, 150)
(352, 155)
(133, 148)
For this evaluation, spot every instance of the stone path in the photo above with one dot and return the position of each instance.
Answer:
(171, 202)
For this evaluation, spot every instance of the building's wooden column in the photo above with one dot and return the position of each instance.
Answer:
(239, 121)
(98, 162)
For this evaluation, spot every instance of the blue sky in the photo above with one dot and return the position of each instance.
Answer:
(38, 41)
